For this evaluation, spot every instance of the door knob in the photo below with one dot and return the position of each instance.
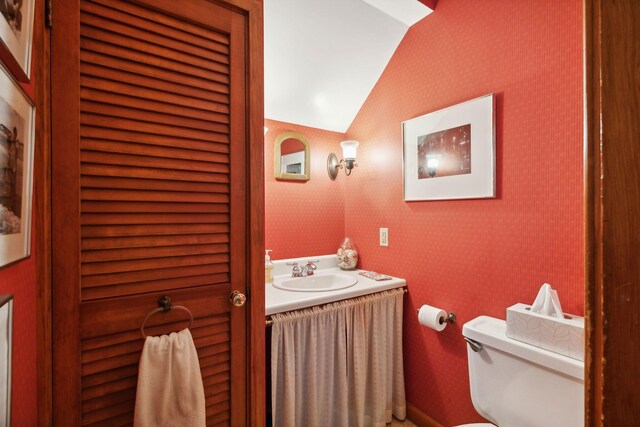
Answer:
(237, 298)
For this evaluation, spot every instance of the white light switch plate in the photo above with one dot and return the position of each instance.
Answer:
(384, 237)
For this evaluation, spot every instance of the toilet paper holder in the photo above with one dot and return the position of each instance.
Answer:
(451, 318)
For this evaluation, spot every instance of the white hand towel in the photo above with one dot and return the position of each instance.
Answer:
(547, 302)
(170, 391)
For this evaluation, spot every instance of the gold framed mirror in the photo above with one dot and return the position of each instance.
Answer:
(292, 157)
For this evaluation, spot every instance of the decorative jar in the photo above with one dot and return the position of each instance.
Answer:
(347, 255)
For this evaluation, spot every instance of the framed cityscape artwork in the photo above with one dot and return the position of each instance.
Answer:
(17, 119)
(450, 153)
(16, 34)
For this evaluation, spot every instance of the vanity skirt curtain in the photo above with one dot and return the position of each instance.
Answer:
(339, 365)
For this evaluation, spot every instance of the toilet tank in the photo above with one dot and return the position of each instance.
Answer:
(514, 384)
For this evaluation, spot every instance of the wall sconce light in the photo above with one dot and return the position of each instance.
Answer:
(348, 162)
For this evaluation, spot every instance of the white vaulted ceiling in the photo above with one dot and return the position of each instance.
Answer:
(323, 57)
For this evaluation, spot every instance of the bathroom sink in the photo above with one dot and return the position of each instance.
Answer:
(315, 283)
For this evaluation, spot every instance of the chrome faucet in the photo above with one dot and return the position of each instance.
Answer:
(295, 272)
(306, 270)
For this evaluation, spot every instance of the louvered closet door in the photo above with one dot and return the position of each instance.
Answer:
(149, 179)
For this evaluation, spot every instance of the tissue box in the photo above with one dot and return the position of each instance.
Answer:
(564, 336)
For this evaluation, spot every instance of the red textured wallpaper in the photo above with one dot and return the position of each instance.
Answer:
(476, 257)
(304, 218)
(19, 279)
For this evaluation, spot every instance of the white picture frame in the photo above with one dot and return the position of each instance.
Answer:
(450, 153)
(16, 32)
(17, 133)
(6, 346)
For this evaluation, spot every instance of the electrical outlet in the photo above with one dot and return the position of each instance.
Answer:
(384, 237)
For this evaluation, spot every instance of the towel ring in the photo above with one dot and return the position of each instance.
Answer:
(165, 305)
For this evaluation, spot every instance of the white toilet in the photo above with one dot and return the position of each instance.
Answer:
(514, 384)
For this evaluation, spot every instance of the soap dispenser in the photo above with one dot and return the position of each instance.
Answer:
(268, 268)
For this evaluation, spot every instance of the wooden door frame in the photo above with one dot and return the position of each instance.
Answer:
(254, 74)
(42, 205)
(596, 312)
(593, 316)
(253, 10)
(612, 211)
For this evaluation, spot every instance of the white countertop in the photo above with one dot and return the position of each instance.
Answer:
(279, 300)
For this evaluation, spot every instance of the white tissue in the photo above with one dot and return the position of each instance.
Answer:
(547, 302)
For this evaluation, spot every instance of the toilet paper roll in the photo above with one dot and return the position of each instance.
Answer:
(430, 317)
